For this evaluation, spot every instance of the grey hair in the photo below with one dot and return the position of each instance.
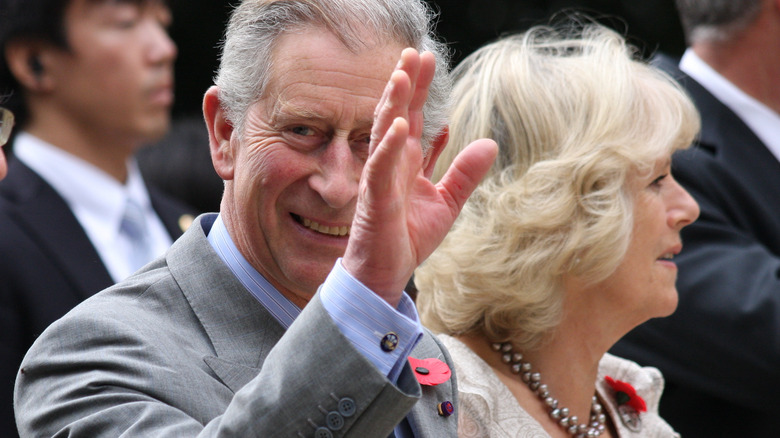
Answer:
(256, 25)
(716, 20)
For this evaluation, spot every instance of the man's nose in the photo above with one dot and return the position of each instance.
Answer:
(338, 175)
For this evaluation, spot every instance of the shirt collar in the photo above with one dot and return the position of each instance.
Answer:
(84, 187)
(282, 309)
(761, 119)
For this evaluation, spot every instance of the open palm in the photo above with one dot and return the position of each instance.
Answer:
(401, 217)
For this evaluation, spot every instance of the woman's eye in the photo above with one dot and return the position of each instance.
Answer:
(657, 182)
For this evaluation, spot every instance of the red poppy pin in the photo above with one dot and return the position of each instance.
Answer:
(626, 394)
(430, 371)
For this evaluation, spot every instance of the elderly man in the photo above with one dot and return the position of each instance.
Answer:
(327, 208)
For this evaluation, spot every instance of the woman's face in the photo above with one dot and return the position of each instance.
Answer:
(644, 283)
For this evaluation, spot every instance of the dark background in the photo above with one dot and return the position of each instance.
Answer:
(464, 24)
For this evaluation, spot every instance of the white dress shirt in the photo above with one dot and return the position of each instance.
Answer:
(96, 199)
(761, 119)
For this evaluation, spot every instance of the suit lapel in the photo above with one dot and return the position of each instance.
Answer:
(735, 144)
(727, 137)
(238, 326)
(46, 218)
(424, 418)
(175, 217)
(233, 375)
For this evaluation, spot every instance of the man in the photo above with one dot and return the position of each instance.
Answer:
(89, 82)
(322, 158)
(720, 351)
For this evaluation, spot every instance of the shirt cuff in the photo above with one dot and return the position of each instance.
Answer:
(370, 323)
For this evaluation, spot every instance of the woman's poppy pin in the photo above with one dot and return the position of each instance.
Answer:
(626, 394)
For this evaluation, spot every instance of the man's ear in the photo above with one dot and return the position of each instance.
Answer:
(220, 132)
(29, 63)
(437, 146)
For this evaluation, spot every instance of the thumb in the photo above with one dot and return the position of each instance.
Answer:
(466, 172)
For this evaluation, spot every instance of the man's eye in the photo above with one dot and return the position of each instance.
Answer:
(126, 16)
(128, 23)
(302, 130)
(366, 139)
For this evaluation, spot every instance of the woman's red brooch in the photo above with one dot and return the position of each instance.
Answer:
(626, 394)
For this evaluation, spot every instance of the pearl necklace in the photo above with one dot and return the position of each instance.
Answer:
(559, 414)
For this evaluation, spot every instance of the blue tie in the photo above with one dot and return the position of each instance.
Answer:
(134, 227)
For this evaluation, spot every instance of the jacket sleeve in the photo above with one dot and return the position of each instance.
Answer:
(99, 374)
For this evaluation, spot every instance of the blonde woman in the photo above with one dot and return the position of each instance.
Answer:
(569, 243)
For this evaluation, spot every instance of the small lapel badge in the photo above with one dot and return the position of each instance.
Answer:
(185, 221)
(445, 408)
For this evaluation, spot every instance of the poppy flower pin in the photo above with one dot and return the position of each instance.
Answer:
(626, 394)
(430, 372)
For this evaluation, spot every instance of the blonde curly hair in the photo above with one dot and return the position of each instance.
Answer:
(575, 114)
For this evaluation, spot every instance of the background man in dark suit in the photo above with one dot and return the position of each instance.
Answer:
(89, 82)
(720, 351)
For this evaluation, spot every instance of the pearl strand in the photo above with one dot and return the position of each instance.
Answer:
(560, 415)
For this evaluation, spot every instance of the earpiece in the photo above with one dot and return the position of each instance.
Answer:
(35, 65)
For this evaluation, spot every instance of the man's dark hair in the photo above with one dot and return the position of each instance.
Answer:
(32, 20)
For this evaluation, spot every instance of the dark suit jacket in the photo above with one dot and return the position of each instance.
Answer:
(720, 351)
(182, 349)
(48, 266)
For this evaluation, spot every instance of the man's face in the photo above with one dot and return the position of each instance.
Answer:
(295, 182)
(116, 79)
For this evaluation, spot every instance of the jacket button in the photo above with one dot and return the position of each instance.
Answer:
(322, 432)
(334, 420)
(347, 407)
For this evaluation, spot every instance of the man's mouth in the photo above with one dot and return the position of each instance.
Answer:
(324, 229)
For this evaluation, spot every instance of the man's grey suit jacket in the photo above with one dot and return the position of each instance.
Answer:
(182, 349)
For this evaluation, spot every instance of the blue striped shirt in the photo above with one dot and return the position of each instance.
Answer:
(363, 317)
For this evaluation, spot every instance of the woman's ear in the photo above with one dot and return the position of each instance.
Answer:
(220, 134)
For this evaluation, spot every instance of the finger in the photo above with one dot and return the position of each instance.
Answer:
(466, 172)
(408, 63)
(383, 165)
(411, 63)
(424, 78)
(420, 94)
(393, 104)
